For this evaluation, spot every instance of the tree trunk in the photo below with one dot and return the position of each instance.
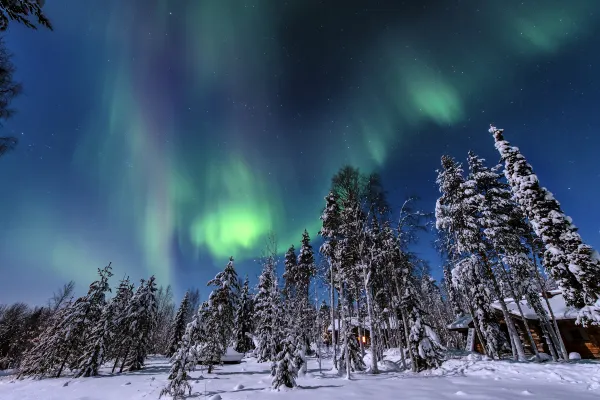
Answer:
(557, 335)
(124, 359)
(333, 327)
(476, 326)
(346, 330)
(518, 303)
(366, 281)
(512, 330)
(400, 345)
(361, 331)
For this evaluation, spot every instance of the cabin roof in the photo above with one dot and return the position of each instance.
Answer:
(555, 298)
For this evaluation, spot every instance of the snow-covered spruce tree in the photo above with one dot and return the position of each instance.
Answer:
(219, 319)
(574, 265)
(306, 271)
(436, 312)
(453, 295)
(457, 220)
(290, 266)
(356, 360)
(48, 349)
(64, 342)
(140, 317)
(330, 219)
(224, 299)
(505, 229)
(467, 276)
(426, 349)
(487, 209)
(185, 358)
(179, 326)
(243, 321)
(119, 324)
(285, 371)
(265, 313)
(99, 341)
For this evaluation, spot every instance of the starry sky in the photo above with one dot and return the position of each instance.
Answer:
(166, 136)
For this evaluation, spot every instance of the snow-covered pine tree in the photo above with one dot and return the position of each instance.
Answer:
(436, 312)
(224, 300)
(306, 271)
(574, 265)
(140, 315)
(330, 219)
(265, 315)
(214, 343)
(185, 358)
(290, 266)
(425, 346)
(48, 349)
(63, 343)
(488, 206)
(466, 275)
(99, 341)
(457, 220)
(119, 326)
(243, 321)
(218, 319)
(179, 326)
(285, 371)
(356, 360)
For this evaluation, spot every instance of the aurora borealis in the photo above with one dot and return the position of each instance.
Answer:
(166, 136)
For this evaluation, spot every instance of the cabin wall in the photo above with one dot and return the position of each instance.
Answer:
(585, 341)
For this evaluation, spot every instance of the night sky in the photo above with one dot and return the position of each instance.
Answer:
(165, 136)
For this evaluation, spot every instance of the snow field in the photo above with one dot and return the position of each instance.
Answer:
(470, 377)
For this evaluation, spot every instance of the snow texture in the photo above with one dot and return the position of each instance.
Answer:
(472, 377)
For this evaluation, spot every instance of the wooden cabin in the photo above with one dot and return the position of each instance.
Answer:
(361, 332)
(585, 341)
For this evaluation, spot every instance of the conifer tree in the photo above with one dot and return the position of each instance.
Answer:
(290, 265)
(574, 265)
(456, 218)
(48, 349)
(23, 11)
(223, 301)
(243, 321)
(179, 326)
(285, 371)
(119, 324)
(266, 313)
(426, 349)
(355, 356)
(185, 358)
(95, 349)
(330, 219)
(306, 271)
(62, 344)
(140, 317)
(488, 209)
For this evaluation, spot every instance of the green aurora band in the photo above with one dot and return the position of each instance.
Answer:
(203, 185)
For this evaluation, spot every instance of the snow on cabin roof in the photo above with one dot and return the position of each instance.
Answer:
(556, 300)
(461, 323)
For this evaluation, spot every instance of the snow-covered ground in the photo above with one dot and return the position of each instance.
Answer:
(468, 377)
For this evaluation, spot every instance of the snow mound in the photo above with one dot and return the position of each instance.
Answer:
(215, 397)
(574, 356)
(526, 393)
(388, 366)
(460, 393)
(239, 386)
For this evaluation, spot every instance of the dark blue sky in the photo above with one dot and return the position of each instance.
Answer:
(165, 139)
